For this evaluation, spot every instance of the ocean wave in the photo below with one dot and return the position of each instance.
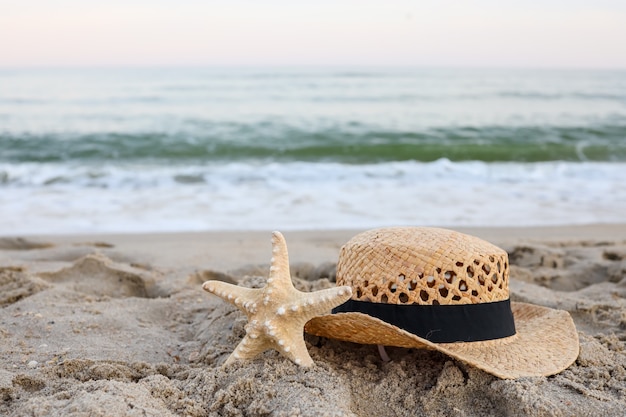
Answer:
(300, 195)
(354, 143)
(310, 93)
(132, 176)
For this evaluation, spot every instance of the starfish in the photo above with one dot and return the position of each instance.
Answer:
(277, 312)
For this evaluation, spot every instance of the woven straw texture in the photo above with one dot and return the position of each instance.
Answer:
(423, 266)
(436, 266)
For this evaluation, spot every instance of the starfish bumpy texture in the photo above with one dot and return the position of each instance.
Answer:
(277, 312)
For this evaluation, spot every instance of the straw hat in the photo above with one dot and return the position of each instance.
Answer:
(438, 289)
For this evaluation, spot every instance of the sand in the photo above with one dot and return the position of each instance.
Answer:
(118, 325)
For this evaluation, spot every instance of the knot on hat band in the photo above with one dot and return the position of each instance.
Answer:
(442, 323)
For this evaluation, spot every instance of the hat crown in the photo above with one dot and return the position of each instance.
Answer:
(422, 265)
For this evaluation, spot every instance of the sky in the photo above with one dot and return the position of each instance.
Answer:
(439, 33)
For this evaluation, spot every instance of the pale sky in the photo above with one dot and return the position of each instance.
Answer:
(520, 33)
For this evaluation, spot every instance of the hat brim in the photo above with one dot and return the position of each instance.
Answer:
(545, 343)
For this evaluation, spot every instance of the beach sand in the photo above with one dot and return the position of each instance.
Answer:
(118, 325)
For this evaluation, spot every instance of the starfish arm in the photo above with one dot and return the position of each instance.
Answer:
(242, 297)
(290, 343)
(279, 269)
(248, 348)
(321, 302)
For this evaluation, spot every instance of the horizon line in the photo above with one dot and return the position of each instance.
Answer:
(307, 66)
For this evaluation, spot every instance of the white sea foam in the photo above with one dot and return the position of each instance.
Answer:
(49, 198)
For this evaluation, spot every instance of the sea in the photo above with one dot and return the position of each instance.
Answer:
(197, 149)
